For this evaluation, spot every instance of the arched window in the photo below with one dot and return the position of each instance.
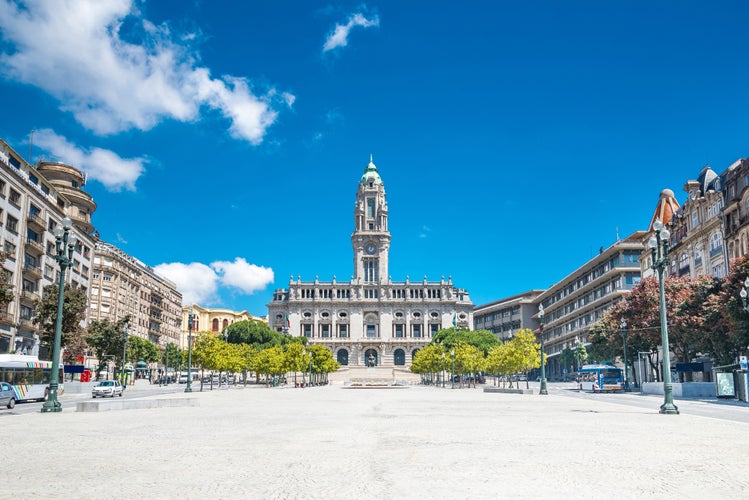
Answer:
(214, 325)
(413, 354)
(342, 357)
(225, 324)
(716, 244)
(399, 357)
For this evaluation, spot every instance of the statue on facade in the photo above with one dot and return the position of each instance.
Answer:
(371, 360)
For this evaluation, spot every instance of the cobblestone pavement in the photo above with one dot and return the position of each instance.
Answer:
(330, 442)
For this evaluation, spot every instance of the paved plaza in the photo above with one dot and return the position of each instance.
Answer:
(416, 442)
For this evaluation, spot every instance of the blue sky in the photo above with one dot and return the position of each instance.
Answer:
(223, 140)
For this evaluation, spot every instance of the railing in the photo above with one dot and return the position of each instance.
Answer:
(27, 322)
(35, 245)
(716, 251)
(35, 218)
(32, 268)
(6, 317)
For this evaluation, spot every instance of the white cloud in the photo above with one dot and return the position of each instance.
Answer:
(339, 36)
(103, 165)
(73, 50)
(197, 282)
(200, 283)
(246, 277)
(425, 230)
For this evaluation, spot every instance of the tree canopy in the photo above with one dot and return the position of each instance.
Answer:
(75, 304)
(481, 339)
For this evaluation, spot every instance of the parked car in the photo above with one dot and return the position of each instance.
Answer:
(7, 396)
(106, 388)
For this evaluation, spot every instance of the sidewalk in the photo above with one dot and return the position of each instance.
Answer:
(420, 442)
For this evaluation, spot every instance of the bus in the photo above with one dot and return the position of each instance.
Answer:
(600, 378)
(29, 376)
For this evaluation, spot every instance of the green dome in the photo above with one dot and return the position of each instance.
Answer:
(371, 173)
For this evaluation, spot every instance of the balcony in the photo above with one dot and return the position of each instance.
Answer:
(29, 295)
(27, 323)
(34, 245)
(36, 220)
(716, 251)
(6, 318)
(32, 270)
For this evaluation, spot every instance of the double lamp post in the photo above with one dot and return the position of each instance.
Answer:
(64, 246)
(190, 319)
(658, 245)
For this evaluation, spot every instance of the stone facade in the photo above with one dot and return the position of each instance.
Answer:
(573, 304)
(122, 285)
(506, 316)
(34, 200)
(696, 228)
(736, 209)
(214, 320)
(370, 319)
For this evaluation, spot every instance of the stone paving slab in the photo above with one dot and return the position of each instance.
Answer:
(329, 443)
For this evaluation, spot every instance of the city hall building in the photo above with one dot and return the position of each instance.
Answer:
(370, 320)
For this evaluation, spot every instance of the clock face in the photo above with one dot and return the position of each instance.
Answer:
(370, 248)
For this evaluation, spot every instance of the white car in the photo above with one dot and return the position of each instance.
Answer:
(106, 388)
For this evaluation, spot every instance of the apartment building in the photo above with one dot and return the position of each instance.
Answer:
(34, 201)
(697, 243)
(122, 285)
(736, 208)
(506, 316)
(580, 299)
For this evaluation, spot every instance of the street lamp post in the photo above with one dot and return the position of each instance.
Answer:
(443, 370)
(624, 357)
(658, 245)
(310, 367)
(190, 318)
(64, 245)
(543, 390)
(166, 363)
(452, 371)
(123, 381)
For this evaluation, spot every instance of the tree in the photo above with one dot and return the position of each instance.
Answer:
(295, 359)
(6, 287)
(322, 361)
(106, 339)
(75, 303)
(430, 360)
(481, 339)
(139, 348)
(255, 334)
(246, 354)
(526, 351)
(270, 362)
(728, 321)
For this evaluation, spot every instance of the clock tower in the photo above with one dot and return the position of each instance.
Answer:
(371, 238)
